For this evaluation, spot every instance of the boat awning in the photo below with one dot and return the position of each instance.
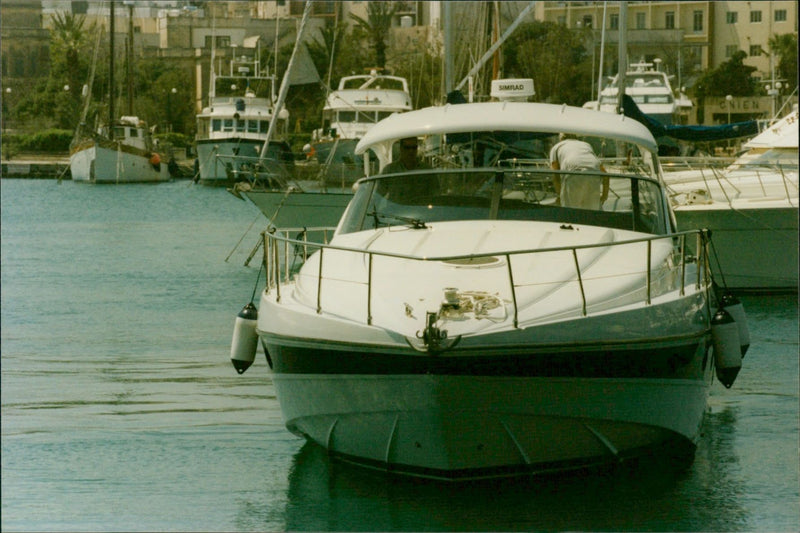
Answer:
(688, 133)
(506, 116)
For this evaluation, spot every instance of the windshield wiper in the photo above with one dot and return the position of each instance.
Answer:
(415, 223)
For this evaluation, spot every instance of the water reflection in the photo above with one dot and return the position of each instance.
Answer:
(325, 495)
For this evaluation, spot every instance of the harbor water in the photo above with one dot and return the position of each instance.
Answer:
(121, 410)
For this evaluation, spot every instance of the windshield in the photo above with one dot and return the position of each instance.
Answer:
(421, 198)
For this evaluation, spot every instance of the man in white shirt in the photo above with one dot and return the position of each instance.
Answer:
(574, 190)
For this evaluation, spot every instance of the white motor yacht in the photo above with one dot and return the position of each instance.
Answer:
(751, 207)
(232, 129)
(652, 92)
(462, 324)
(321, 189)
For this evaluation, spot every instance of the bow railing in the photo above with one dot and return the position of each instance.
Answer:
(287, 249)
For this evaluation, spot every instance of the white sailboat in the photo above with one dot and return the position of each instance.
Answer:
(120, 151)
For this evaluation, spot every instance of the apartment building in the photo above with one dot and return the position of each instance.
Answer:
(689, 37)
(748, 26)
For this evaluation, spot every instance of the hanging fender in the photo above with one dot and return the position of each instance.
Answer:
(735, 308)
(245, 338)
(727, 347)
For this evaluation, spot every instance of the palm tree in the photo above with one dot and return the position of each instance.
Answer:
(69, 40)
(376, 27)
(785, 47)
(68, 52)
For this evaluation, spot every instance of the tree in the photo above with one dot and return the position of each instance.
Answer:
(421, 64)
(785, 47)
(555, 57)
(155, 102)
(376, 28)
(349, 56)
(731, 77)
(69, 50)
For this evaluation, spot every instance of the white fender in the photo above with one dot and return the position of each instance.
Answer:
(727, 347)
(245, 338)
(733, 306)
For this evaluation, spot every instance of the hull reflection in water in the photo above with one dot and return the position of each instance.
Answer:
(326, 495)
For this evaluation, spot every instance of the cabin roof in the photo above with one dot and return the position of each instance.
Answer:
(506, 116)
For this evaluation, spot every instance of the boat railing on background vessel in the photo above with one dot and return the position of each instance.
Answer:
(683, 163)
(258, 171)
(284, 254)
(618, 165)
(777, 182)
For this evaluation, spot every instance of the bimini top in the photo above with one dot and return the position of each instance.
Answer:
(506, 116)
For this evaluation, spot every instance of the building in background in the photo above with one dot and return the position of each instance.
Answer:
(688, 37)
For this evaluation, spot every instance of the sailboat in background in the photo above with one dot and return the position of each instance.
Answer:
(122, 150)
(358, 105)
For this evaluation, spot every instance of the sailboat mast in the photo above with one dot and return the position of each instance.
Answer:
(286, 76)
(129, 66)
(111, 73)
(448, 47)
(496, 45)
(212, 74)
(495, 35)
(602, 53)
(623, 53)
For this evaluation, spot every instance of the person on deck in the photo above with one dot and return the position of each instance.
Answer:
(574, 190)
(407, 160)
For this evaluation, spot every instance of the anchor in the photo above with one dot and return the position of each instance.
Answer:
(434, 338)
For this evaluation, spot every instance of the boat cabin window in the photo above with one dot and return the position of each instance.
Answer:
(346, 116)
(252, 126)
(123, 132)
(239, 124)
(216, 124)
(384, 114)
(641, 99)
(416, 198)
(523, 149)
(643, 79)
(658, 99)
(227, 125)
(263, 126)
